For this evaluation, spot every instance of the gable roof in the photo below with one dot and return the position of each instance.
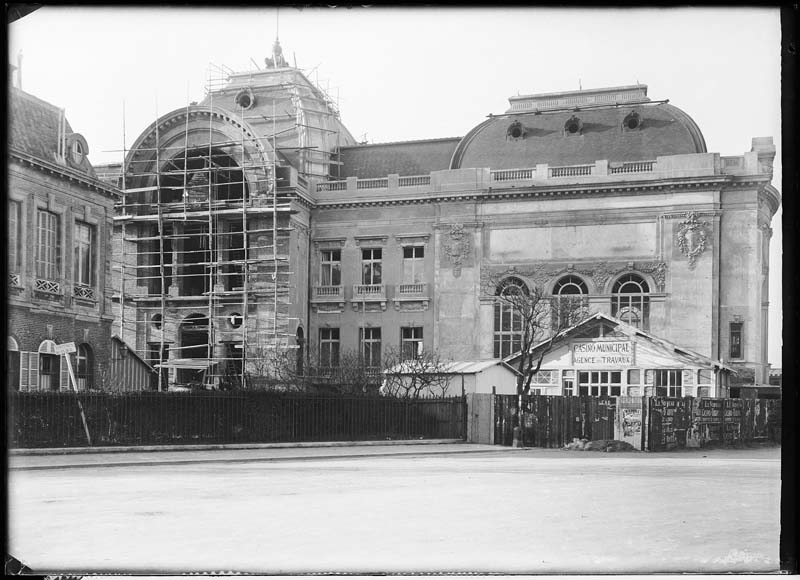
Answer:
(670, 348)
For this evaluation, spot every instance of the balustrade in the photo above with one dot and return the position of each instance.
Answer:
(571, 170)
(633, 167)
(512, 174)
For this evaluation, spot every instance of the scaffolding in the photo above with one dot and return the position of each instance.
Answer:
(207, 239)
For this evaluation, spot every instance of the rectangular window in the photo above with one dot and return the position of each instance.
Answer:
(568, 383)
(49, 369)
(668, 383)
(370, 339)
(331, 268)
(413, 264)
(600, 383)
(411, 342)
(329, 347)
(85, 248)
(545, 378)
(48, 245)
(371, 266)
(14, 236)
(12, 370)
(736, 339)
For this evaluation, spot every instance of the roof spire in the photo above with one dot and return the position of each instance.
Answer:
(277, 60)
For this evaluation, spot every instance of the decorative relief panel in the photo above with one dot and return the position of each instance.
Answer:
(541, 275)
(457, 247)
(692, 238)
(328, 243)
(412, 239)
(375, 240)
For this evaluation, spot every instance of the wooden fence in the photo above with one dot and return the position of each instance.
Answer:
(553, 421)
(676, 423)
(53, 419)
(651, 423)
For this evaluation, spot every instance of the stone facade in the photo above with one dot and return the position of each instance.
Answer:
(591, 192)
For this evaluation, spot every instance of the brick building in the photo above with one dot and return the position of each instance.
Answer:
(59, 261)
(254, 220)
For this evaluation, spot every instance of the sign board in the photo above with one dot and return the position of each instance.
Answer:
(65, 348)
(617, 353)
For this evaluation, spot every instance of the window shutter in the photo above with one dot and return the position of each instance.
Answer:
(24, 384)
(64, 383)
(33, 371)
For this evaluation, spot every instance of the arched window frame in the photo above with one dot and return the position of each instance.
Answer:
(508, 322)
(52, 374)
(570, 300)
(630, 300)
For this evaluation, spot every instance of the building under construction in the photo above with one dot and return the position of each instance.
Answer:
(253, 225)
(212, 233)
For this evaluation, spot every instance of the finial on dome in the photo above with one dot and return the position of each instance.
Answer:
(277, 60)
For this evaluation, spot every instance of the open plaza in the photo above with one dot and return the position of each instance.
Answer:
(398, 508)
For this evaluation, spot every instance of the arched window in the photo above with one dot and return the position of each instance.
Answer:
(49, 367)
(12, 364)
(571, 301)
(630, 301)
(508, 323)
(300, 355)
(84, 369)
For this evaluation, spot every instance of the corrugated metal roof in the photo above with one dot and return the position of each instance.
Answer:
(466, 367)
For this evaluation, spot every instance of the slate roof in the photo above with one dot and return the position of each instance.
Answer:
(33, 127)
(664, 130)
(402, 157)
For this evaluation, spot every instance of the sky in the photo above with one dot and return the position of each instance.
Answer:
(413, 73)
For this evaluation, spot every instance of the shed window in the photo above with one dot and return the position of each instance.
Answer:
(668, 383)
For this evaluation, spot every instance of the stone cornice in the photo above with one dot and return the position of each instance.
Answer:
(64, 172)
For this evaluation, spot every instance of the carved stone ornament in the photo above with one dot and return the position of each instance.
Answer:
(692, 238)
(458, 248)
(541, 275)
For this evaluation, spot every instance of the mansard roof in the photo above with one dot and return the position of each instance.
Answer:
(33, 127)
(402, 157)
(579, 127)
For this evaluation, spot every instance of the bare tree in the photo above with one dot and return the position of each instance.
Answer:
(532, 321)
(412, 377)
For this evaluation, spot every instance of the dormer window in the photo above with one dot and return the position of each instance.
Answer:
(573, 126)
(515, 131)
(76, 150)
(632, 122)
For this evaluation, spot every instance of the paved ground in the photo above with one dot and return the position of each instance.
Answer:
(529, 511)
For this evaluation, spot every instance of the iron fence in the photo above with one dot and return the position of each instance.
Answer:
(147, 418)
